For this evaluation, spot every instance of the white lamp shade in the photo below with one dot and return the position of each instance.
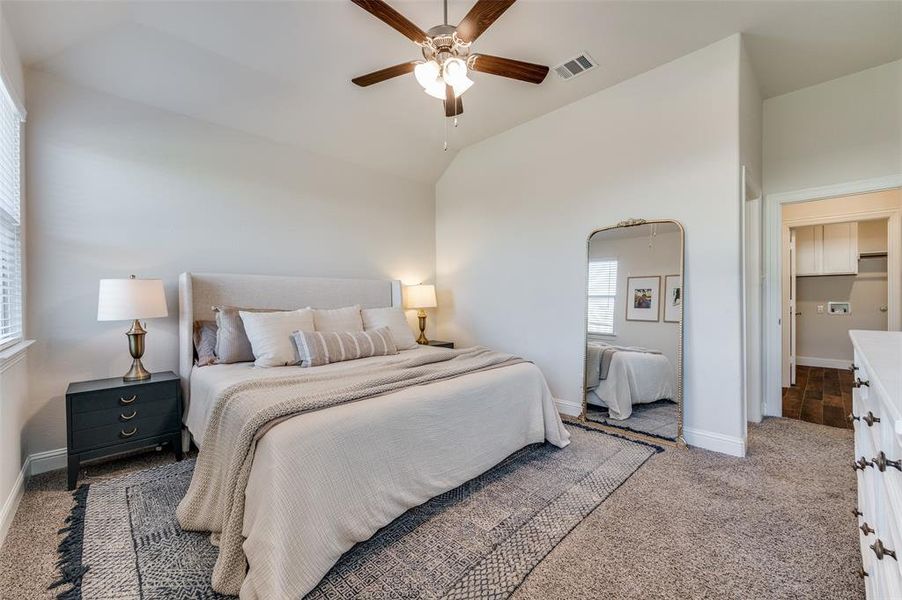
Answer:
(420, 296)
(127, 299)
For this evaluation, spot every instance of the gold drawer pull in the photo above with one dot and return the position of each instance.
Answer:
(882, 463)
(860, 464)
(853, 368)
(128, 417)
(853, 418)
(129, 401)
(870, 419)
(126, 434)
(880, 550)
(857, 512)
(866, 529)
(858, 383)
(862, 573)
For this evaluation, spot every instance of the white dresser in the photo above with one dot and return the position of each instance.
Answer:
(877, 419)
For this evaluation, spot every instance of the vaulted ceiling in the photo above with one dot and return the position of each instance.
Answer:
(282, 70)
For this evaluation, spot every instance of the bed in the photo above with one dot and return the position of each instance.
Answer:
(326, 479)
(633, 376)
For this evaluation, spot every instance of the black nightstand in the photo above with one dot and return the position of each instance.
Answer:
(441, 344)
(111, 416)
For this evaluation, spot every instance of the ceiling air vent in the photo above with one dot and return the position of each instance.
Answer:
(575, 66)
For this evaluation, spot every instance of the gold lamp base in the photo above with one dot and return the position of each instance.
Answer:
(421, 315)
(136, 349)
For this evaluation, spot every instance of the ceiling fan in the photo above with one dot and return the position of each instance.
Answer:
(446, 53)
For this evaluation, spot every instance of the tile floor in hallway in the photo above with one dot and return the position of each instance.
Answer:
(822, 396)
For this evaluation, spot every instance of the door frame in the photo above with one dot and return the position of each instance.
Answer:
(752, 333)
(775, 269)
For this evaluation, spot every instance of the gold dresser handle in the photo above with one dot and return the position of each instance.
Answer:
(126, 434)
(858, 383)
(870, 419)
(128, 417)
(129, 401)
(866, 529)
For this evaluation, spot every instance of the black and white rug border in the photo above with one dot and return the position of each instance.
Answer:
(119, 555)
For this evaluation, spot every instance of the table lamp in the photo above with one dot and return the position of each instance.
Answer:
(129, 300)
(420, 297)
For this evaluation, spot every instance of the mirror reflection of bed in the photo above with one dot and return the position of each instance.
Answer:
(633, 336)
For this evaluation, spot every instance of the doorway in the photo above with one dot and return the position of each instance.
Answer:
(838, 269)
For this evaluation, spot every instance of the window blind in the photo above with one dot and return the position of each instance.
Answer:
(10, 222)
(602, 292)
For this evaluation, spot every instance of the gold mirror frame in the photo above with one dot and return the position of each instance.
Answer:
(679, 442)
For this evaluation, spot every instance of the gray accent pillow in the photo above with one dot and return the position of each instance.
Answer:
(204, 343)
(317, 348)
(232, 345)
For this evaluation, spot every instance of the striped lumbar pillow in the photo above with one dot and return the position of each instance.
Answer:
(317, 348)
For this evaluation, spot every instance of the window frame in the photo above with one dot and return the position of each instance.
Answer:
(612, 296)
(9, 98)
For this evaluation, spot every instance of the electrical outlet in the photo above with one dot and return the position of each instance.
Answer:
(820, 308)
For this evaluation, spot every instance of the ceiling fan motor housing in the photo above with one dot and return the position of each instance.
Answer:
(443, 43)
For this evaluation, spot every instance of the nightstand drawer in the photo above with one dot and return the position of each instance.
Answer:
(126, 397)
(125, 414)
(117, 433)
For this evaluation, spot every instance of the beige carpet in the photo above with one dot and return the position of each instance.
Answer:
(689, 524)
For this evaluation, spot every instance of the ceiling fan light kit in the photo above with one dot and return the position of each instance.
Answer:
(444, 72)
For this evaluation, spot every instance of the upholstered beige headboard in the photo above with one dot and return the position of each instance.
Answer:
(200, 292)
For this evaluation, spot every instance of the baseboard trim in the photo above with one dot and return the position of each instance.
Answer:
(11, 504)
(716, 442)
(825, 363)
(568, 407)
(42, 462)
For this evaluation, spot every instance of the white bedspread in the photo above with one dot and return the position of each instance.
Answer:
(633, 378)
(325, 480)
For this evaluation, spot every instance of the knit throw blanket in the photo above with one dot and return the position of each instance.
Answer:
(598, 360)
(244, 412)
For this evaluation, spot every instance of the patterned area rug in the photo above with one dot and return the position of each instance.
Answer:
(658, 419)
(479, 540)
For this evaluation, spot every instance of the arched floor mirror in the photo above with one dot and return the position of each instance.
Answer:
(633, 367)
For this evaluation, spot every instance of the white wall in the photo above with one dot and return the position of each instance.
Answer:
(750, 156)
(636, 259)
(843, 130)
(116, 188)
(514, 211)
(10, 64)
(826, 336)
(13, 369)
(751, 120)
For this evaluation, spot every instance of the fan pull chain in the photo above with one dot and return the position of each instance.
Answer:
(445, 146)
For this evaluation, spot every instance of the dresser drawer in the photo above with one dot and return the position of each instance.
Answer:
(124, 414)
(124, 397)
(117, 433)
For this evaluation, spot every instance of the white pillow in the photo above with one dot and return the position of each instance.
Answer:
(338, 319)
(270, 335)
(393, 318)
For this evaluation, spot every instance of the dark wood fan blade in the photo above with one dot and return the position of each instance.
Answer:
(480, 17)
(384, 74)
(453, 106)
(393, 18)
(508, 67)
